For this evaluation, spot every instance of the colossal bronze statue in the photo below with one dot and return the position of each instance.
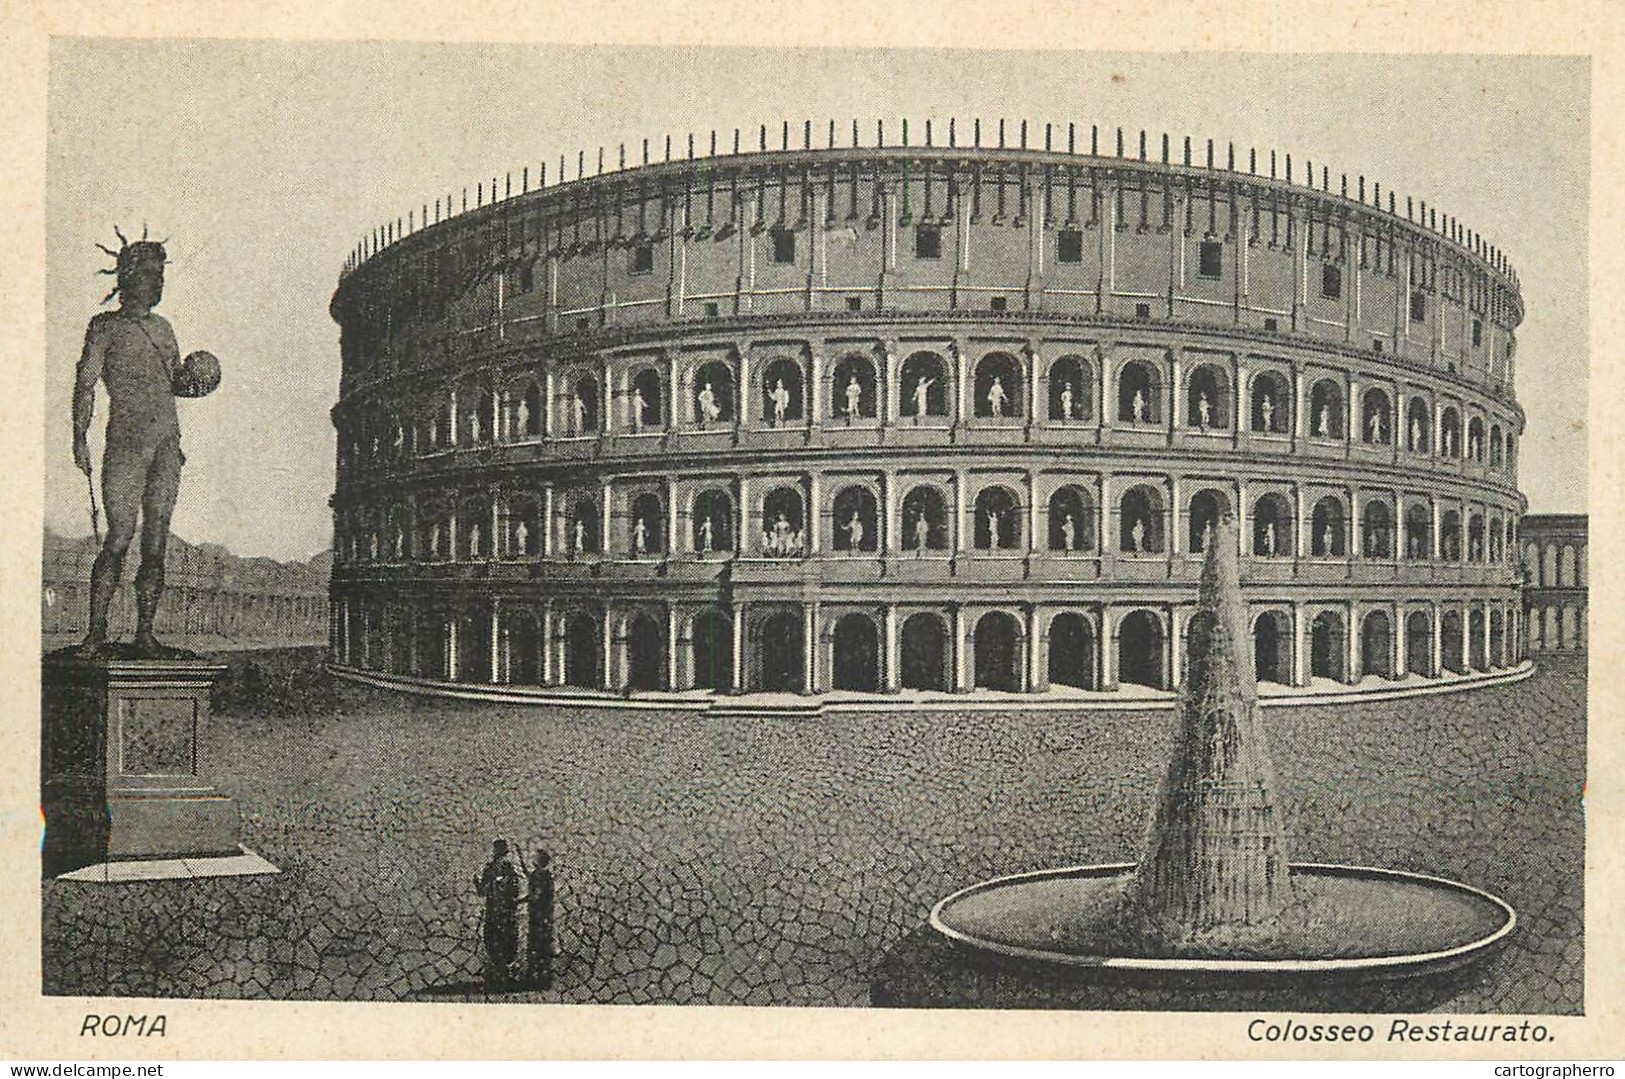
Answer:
(132, 351)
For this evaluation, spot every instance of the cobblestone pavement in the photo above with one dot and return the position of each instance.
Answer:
(706, 860)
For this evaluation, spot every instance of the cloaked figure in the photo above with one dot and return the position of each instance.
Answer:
(922, 395)
(539, 937)
(995, 398)
(499, 884)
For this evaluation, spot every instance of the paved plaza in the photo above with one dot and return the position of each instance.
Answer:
(709, 860)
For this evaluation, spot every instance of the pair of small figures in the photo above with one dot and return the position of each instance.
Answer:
(503, 887)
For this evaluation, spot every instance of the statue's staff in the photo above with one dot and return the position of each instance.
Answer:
(95, 515)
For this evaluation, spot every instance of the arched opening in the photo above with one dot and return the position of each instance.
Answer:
(782, 649)
(1327, 646)
(1418, 533)
(434, 533)
(1271, 404)
(1418, 427)
(1326, 409)
(712, 522)
(477, 424)
(525, 417)
(1475, 538)
(856, 521)
(646, 530)
(645, 653)
(713, 640)
(1497, 547)
(1450, 433)
(1475, 440)
(997, 645)
(1536, 632)
(1477, 641)
(1495, 446)
(923, 385)
(474, 542)
(1071, 389)
(1376, 645)
(1568, 566)
(1548, 567)
(712, 395)
(1376, 418)
(1208, 507)
(1497, 656)
(925, 652)
(925, 520)
(1071, 522)
(1140, 523)
(856, 654)
(998, 520)
(1139, 394)
(1139, 649)
(1071, 651)
(998, 386)
(434, 646)
(1419, 643)
(521, 648)
(523, 535)
(1554, 629)
(402, 640)
(783, 392)
(852, 389)
(581, 406)
(583, 652)
(643, 404)
(1450, 536)
(1272, 527)
(1450, 642)
(439, 426)
(1207, 398)
(581, 527)
(784, 520)
(1272, 648)
(1327, 529)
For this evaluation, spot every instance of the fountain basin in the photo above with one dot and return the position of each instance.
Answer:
(1363, 924)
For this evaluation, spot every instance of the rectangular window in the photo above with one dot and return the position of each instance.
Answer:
(927, 242)
(712, 310)
(1376, 344)
(643, 258)
(1419, 306)
(1271, 324)
(1478, 331)
(1142, 310)
(999, 303)
(1211, 261)
(1069, 246)
(854, 303)
(1331, 282)
(784, 245)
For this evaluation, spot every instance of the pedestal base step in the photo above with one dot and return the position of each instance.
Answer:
(245, 863)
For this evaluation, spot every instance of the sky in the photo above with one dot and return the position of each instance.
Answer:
(262, 164)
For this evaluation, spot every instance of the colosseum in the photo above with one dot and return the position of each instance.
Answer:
(952, 416)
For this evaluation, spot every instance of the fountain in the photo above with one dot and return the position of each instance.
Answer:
(1213, 899)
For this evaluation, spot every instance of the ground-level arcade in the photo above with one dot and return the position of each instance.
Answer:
(777, 644)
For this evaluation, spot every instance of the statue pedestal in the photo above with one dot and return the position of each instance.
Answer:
(121, 774)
